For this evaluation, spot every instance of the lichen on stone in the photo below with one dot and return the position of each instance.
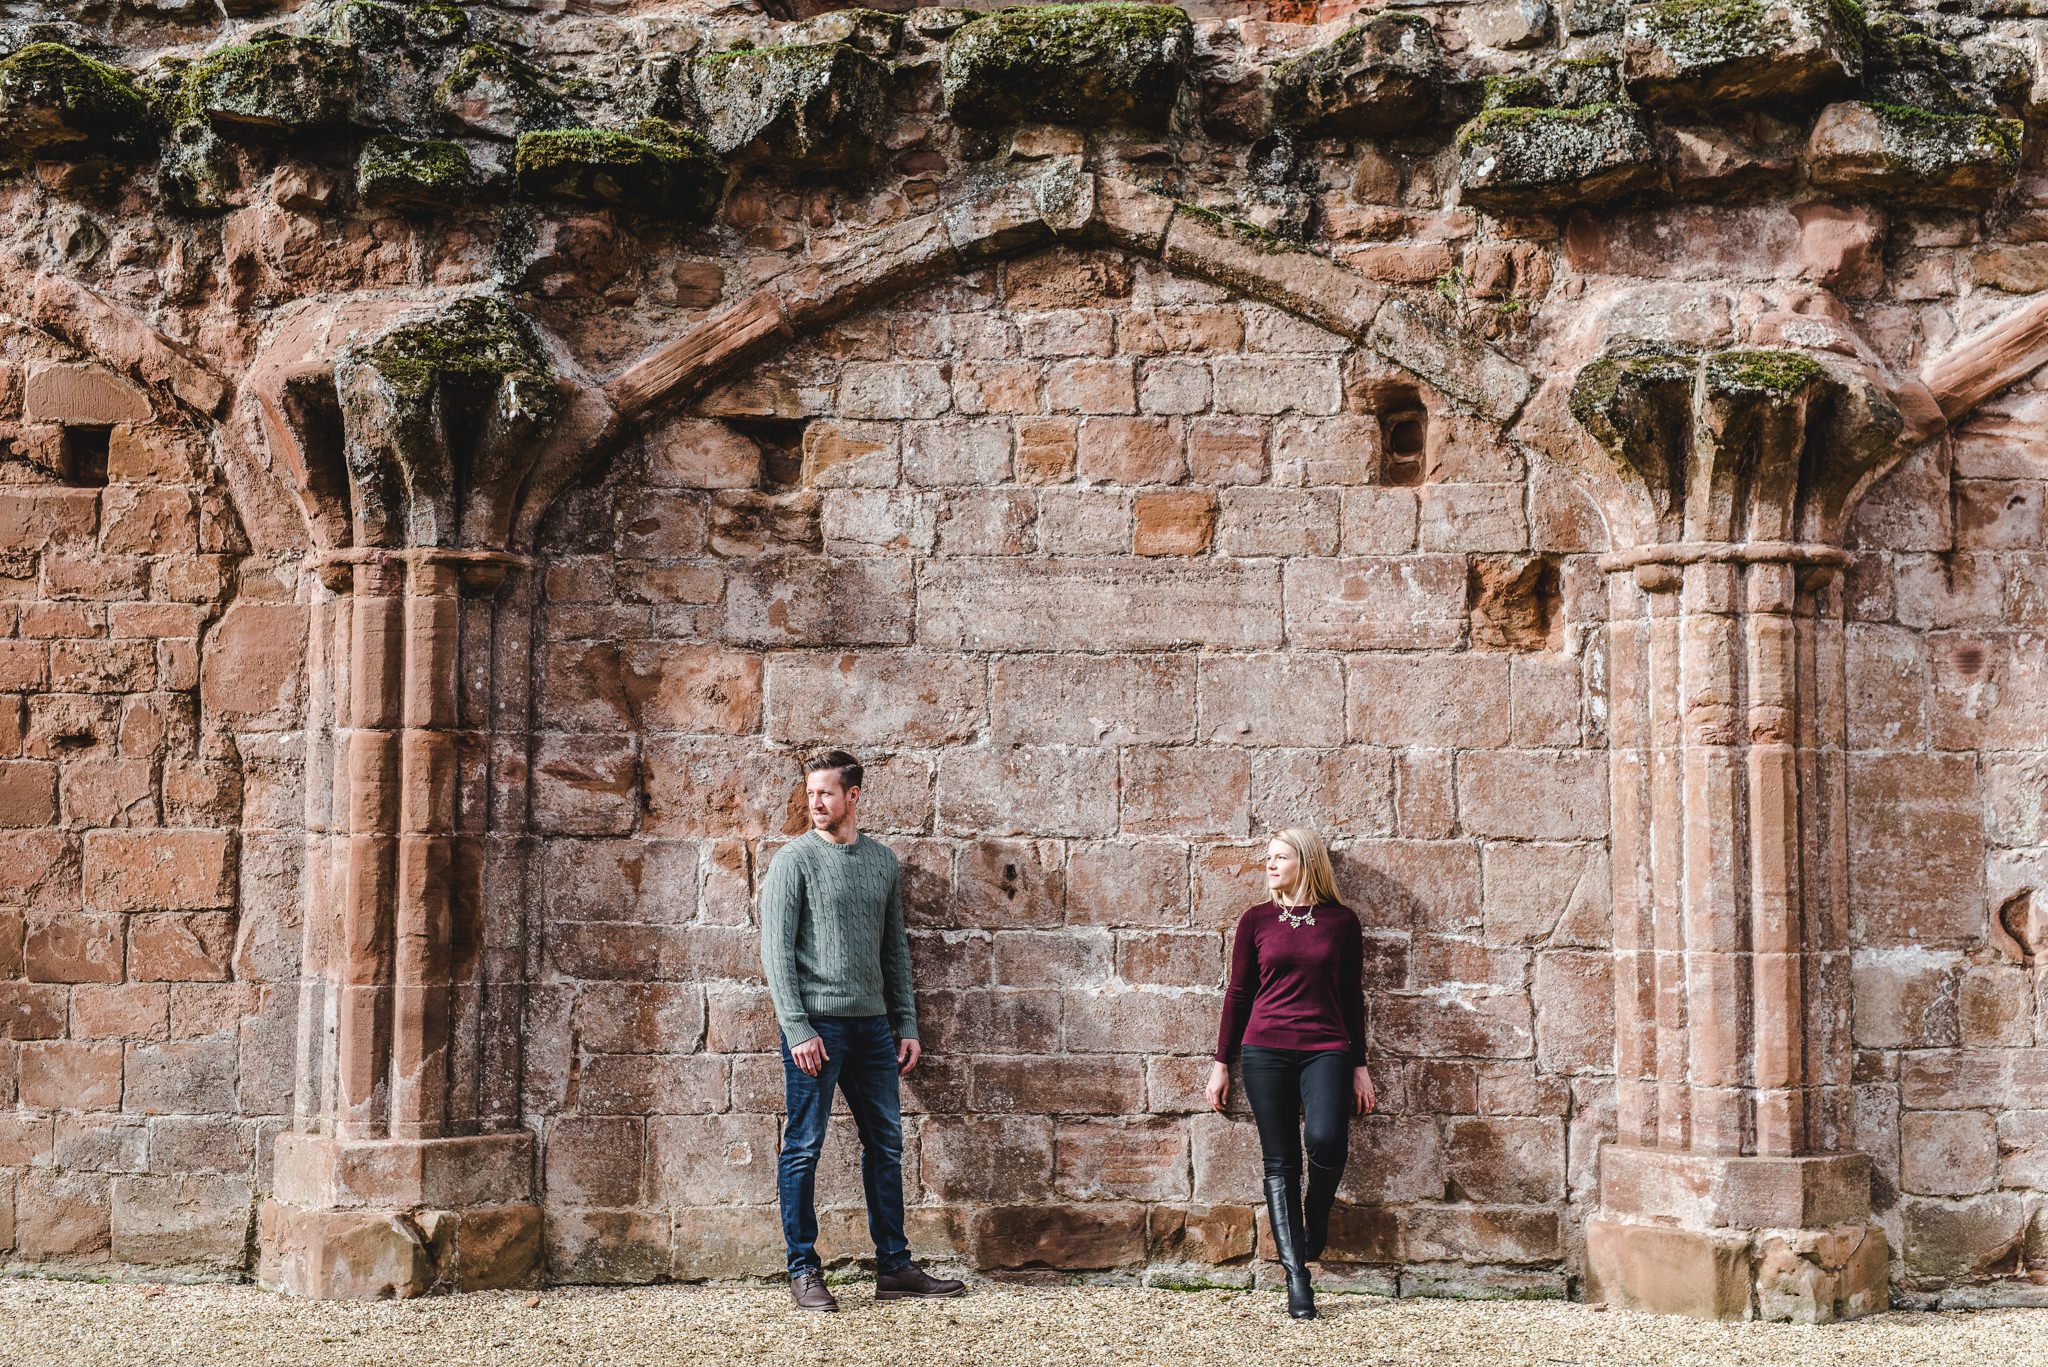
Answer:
(1521, 160)
(814, 106)
(280, 82)
(378, 25)
(659, 168)
(1915, 155)
(1085, 63)
(1741, 53)
(1913, 59)
(195, 171)
(1379, 77)
(1570, 83)
(57, 102)
(415, 173)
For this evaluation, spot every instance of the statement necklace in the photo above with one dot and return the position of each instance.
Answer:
(1303, 917)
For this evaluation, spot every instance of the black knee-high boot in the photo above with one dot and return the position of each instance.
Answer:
(1284, 1208)
(1315, 1212)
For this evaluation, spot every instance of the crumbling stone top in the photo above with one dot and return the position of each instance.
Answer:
(1069, 64)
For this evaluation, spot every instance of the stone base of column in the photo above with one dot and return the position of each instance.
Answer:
(1786, 1239)
(360, 1219)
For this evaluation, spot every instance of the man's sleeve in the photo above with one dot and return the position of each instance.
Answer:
(896, 989)
(782, 905)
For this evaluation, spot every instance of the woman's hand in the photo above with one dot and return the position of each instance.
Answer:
(1219, 1085)
(1361, 1090)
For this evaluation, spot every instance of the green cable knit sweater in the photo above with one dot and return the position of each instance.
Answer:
(832, 937)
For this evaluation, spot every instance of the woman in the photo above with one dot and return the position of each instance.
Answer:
(1295, 1013)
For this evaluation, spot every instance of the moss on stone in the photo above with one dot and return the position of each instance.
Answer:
(405, 171)
(1250, 235)
(1570, 83)
(530, 98)
(55, 101)
(279, 82)
(658, 168)
(810, 105)
(1061, 63)
(1379, 77)
(477, 338)
(1781, 373)
(1927, 141)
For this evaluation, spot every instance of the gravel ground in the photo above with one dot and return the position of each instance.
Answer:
(102, 1325)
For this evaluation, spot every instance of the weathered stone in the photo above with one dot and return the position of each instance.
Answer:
(1068, 63)
(1380, 78)
(1517, 160)
(413, 173)
(278, 83)
(1902, 153)
(1731, 54)
(659, 168)
(490, 91)
(60, 104)
(815, 105)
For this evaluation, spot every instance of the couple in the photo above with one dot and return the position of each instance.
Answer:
(837, 959)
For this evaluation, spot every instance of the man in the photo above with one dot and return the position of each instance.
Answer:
(838, 966)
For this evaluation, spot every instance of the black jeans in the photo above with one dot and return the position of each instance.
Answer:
(1300, 1097)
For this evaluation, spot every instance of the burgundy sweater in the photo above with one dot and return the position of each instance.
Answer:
(1295, 987)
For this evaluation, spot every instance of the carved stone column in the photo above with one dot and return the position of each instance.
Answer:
(1728, 1192)
(406, 1169)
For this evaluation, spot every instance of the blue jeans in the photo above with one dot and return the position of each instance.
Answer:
(860, 1059)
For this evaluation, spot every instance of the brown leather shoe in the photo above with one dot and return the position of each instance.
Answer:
(809, 1291)
(911, 1282)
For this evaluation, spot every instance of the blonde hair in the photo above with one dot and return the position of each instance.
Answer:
(1318, 880)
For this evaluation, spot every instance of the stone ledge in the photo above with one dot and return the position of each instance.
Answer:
(1804, 1276)
(1708, 1191)
(317, 1171)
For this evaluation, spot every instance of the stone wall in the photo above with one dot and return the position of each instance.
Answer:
(1259, 501)
(1101, 572)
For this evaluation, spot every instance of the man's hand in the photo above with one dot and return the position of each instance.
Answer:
(810, 1056)
(1219, 1085)
(908, 1052)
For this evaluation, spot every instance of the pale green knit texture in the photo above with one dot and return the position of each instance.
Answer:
(832, 937)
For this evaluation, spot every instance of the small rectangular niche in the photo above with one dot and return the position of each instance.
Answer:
(1404, 433)
(85, 456)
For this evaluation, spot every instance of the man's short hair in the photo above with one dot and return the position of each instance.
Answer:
(847, 766)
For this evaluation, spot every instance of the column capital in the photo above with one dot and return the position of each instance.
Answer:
(443, 420)
(1750, 456)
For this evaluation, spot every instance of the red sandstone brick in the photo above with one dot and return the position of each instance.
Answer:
(181, 947)
(1131, 450)
(1179, 522)
(159, 870)
(27, 793)
(120, 1011)
(73, 948)
(63, 1075)
(1198, 792)
(61, 1215)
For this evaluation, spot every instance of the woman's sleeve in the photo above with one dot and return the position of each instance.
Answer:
(1351, 989)
(1237, 997)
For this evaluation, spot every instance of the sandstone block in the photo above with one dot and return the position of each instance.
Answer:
(56, 103)
(84, 394)
(1108, 604)
(1145, 1160)
(284, 84)
(1376, 603)
(64, 1075)
(607, 1247)
(794, 600)
(660, 168)
(1179, 522)
(1533, 796)
(813, 105)
(62, 1215)
(1904, 154)
(159, 870)
(1082, 64)
(1518, 160)
(1947, 1153)
(68, 948)
(699, 1160)
(192, 1218)
(1381, 77)
(1720, 55)
(1099, 1234)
